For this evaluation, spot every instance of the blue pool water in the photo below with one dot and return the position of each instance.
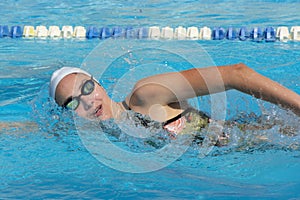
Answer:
(47, 159)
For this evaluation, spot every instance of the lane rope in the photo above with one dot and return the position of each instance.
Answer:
(257, 34)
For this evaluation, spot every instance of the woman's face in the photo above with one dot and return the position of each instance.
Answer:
(96, 105)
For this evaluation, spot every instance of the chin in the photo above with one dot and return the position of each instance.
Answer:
(104, 117)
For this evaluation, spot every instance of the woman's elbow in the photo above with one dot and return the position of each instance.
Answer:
(236, 74)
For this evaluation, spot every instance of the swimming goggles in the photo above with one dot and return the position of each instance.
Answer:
(87, 88)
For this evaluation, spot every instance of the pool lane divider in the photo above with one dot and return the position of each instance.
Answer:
(257, 34)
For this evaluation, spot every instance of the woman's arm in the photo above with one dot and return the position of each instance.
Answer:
(164, 89)
(26, 126)
(248, 81)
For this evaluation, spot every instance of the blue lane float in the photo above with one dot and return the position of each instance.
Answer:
(105, 33)
(218, 33)
(231, 34)
(92, 32)
(118, 32)
(142, 33)
(256, 34)
(4, 31)
(244, 34)
(130, 33)
(270, 34)
(16, 32)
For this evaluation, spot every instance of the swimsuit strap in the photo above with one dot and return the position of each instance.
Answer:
(186, 112)
(190, 109)
(177, 117)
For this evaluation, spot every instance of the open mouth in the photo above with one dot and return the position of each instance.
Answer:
(98, 111)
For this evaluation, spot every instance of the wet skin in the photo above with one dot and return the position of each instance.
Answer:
(96, 105)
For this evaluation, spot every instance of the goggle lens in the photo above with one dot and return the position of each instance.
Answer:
(87, 88)
(73, 104)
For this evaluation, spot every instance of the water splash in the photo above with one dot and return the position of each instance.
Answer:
(53, 121)
(274, 129)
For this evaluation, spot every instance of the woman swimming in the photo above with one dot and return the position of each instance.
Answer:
(163, 97)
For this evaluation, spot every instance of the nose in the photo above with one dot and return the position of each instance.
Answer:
(87, 101)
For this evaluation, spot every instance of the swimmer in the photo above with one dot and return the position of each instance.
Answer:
(163, 97)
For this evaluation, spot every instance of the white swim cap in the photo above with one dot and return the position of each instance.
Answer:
(59, 74)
